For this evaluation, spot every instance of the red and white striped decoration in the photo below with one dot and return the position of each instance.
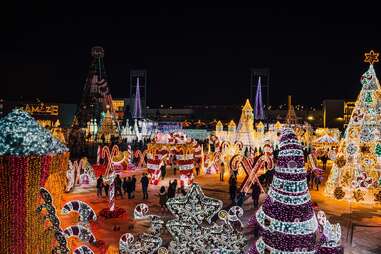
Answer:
(99, 155)
(186, 165)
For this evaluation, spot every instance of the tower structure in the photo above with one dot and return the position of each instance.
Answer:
(245, 129)
(138, 86)
(264, 74)
(291, 116)
(258, 106)
(138, 103)
(96, 93)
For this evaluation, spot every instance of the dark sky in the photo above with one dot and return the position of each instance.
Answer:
(192, 55)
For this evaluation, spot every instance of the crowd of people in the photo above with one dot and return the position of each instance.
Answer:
(127, 185)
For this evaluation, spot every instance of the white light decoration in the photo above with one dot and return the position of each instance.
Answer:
(82, 233)
(290, 152)
(146, 243)
(20, 134)
(83, 250)
(289, 186)
(262, 247)
(286, 221)
(355, 171)
(331, 232)
(188, 230)
(86, 213)
(293, 228)
(289, 200)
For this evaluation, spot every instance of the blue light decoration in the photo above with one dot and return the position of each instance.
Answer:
(20, 134)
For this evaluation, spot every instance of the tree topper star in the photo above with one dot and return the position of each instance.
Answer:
(371, 57)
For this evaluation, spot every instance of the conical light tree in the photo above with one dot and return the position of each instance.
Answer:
(286, 221)
(355, 174)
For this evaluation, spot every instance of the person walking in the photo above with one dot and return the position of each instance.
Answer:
(256, 192)
(124, 186)
(163, 170)
(312, 179)
(170, 193)
(107, 187)
(197, 168)
(232, 188)
(118, 186)
(317, 180)
(129, 187)
(324, 159)
(240, 199)
(222, 172)
(133, 186)
(163, 195)
(144, 181)
(174, 184)
(99, 186)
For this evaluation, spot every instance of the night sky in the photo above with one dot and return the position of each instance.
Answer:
(193, 56)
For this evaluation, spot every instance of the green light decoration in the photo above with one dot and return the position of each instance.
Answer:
(378, 150)
(368, 98)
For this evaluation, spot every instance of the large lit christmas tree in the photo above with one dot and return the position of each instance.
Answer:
(355, 174)
(287, 222)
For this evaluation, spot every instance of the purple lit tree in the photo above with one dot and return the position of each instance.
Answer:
(287, 222)
(258, 108)
(138, 104)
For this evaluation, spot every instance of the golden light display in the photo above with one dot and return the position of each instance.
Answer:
(371, 57)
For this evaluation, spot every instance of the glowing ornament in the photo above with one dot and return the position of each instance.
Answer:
(192, 236)
(371, 57)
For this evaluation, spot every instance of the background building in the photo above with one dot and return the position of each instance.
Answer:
(47, 114)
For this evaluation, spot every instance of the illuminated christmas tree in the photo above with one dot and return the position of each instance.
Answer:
(287, 222)
(355, 174)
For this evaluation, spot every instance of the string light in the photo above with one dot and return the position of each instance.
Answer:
(355, 174)
(286, 221)
(29, 158)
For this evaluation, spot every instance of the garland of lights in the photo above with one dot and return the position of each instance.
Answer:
(86, 213)
(289, 186)
(289, 200)
(292, 228)
(20, 134)
(290, 152)
(356, 171)
(290, 170)
(262, 247)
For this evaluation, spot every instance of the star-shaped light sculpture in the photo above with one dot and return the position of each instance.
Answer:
(194, 206)
(371, 57)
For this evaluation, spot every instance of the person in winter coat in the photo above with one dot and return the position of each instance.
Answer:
(99, 186)
(133, 186)
(255, 194)
(232, 188)
(163, 195)
(144, 181)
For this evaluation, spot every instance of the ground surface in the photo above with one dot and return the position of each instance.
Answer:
(365, 239)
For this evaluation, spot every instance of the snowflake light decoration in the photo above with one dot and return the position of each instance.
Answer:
(193, 231)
